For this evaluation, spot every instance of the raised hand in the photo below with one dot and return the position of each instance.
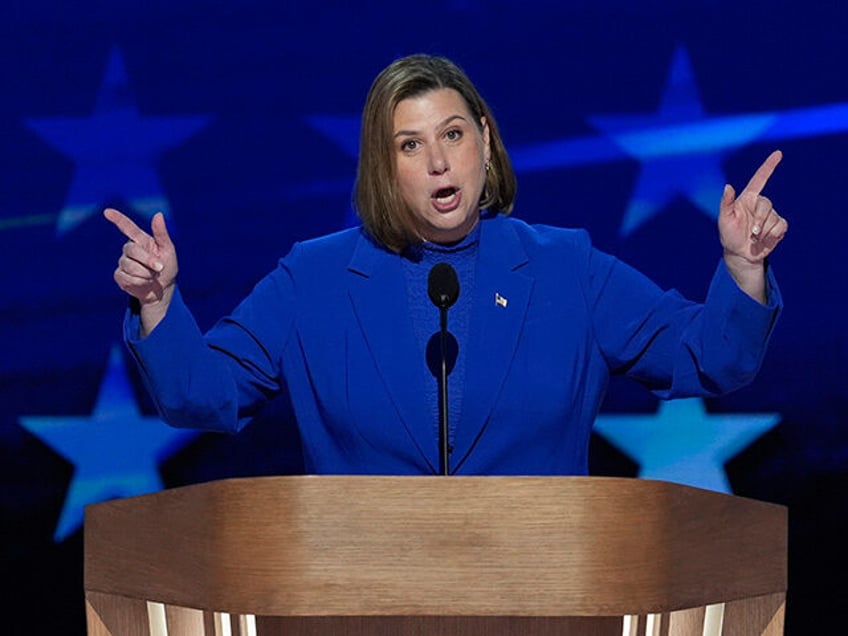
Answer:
(750, 228)
(147, 268)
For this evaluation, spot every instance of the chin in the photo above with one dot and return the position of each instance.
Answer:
(449, 233)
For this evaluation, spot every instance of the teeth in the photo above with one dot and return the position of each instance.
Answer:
(445, 198)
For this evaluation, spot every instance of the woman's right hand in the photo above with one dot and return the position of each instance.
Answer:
(147, 268)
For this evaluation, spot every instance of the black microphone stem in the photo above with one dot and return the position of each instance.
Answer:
(443, 289)
(444, 445)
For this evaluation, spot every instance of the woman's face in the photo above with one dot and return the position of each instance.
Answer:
(440, 156)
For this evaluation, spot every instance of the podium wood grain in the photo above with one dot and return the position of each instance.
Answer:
(521, 549)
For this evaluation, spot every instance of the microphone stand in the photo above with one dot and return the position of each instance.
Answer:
(443, 289)
(444, 446)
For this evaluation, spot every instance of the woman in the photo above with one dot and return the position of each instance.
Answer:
(345, 328)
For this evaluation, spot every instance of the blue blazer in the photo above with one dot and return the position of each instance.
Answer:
(552, 319)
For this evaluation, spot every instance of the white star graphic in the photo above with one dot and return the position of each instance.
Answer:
(115, 150)
(684, 444)
(116, 451)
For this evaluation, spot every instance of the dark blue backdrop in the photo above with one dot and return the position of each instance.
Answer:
(239, 119)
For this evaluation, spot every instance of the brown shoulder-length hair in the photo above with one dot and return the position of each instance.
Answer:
(376, 197)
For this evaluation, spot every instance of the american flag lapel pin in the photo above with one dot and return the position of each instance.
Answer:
(500, 300)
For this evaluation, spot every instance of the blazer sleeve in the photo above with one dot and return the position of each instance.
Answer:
(217, 381)
(673, 346)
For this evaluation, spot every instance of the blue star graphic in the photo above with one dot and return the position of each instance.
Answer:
(684, 444)
(115, 150)
(115, 450)
(342, 130)
(680, 147)
(677, 158)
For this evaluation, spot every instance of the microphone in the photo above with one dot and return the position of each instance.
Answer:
(443, 289)
(443, 285)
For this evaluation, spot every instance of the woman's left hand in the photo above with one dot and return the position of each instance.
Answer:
(749, 226)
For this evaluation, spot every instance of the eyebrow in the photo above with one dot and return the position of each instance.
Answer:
(442, 124)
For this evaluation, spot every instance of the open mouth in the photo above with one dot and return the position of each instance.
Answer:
(444, 197)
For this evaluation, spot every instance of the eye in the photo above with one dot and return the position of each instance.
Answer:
(409, 145)
(454, 134)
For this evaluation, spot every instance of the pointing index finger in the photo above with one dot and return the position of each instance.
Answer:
(763, 173)
(126, 225)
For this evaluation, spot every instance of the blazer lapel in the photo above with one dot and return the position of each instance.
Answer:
(380, 302)
(502, 294)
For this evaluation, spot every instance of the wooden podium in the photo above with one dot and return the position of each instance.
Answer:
(435, 556)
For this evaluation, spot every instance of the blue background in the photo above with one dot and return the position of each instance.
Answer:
(239, 119)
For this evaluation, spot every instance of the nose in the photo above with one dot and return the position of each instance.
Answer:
(437, 160)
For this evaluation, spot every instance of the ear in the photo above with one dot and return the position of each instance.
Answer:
(484, 129)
